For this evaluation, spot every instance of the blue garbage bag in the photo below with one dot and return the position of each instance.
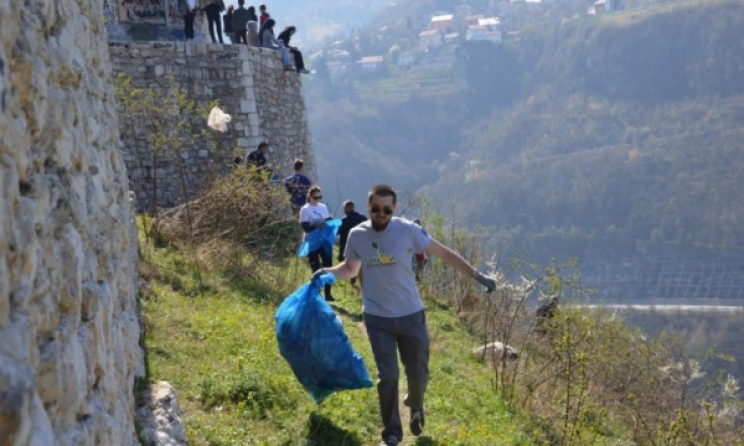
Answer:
(314, 343)
(320, 238)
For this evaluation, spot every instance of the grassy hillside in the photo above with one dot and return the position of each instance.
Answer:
(211, 334)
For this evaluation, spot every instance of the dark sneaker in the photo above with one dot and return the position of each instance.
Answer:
(304, 71)
(329, 298)
(391, 440)
(417, 421)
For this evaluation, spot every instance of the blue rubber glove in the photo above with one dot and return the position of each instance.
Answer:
(484, 280)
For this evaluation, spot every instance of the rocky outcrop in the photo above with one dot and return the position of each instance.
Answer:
(69, 331)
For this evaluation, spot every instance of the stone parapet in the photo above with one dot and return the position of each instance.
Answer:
(266, 104)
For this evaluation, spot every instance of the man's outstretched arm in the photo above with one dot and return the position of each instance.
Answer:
(456, 262)
(346, 270)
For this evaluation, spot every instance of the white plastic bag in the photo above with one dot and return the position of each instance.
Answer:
(218, 120)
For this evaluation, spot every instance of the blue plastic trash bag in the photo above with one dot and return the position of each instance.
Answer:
(323, 237)
(314, 343)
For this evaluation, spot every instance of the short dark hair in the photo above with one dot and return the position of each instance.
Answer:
(382, 190)
(241, 2)
(262, 8)
(298, 164)
(262, 145)
(349, 204)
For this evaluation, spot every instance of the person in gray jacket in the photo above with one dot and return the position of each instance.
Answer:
(268, 40)
(240, 18)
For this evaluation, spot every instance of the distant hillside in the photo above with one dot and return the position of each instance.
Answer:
(588, 137)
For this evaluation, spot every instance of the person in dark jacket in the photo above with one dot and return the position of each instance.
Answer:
(252, 17)
(213, 17)
(227, 24)
(284, 37)
(240, 18)
(188, 19)
(257, 158)
(348, 223)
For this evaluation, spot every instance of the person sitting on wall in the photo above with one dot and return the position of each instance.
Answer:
(268, 40)
(284, 37)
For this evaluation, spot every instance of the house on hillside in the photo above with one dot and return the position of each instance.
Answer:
(513, 36)
(406, 59)
(337, 69)
(337, 54)
(442, 22)
(598, 7)
(371, 63)
(451, 38)
(487, 33)
(431, 38)
(473, 19)
(489, 21)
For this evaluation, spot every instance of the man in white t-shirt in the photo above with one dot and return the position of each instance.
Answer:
(393, 310)
(313, 216)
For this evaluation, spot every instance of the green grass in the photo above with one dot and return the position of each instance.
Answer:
(212, 336)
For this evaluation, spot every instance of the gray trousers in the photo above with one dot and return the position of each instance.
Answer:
(409, 336)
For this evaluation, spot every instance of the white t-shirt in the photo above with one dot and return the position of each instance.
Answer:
(314, 213)
(389, 285)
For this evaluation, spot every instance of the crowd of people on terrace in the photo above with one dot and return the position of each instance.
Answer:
(242, 25)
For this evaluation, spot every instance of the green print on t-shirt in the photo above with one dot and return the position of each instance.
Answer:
(381, 259)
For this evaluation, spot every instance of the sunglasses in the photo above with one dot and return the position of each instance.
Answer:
(374, 209)
(317, 197)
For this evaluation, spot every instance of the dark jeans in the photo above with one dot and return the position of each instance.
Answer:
(409, 336)
(299, 62)
(188, 24)
(214, 19)
(318, 259)
(240, 35)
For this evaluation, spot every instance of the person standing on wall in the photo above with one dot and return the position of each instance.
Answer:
(227, 24)
(264, 15)
(188, 19)
(393, 311)
(213, 10)
(240, 18)
(252, 28)
(313, 216)
(297, 186)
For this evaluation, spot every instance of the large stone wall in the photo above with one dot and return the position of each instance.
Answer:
(69, 330)
(266, 104)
